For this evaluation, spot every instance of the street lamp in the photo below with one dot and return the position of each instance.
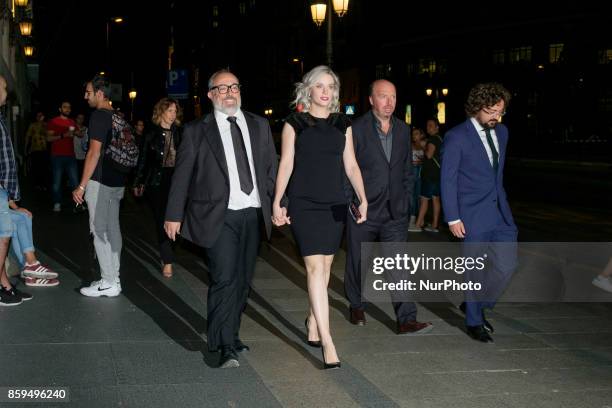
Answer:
(301, 62)
(318, 9)
(25, 28)
(132, 95)
(115, 20)
(28, 50)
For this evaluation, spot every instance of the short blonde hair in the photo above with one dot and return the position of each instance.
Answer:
(302, 89)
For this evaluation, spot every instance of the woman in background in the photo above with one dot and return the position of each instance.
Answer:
(155, 169)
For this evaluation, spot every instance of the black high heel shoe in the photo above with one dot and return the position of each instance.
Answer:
(329, 366)
(310, 342)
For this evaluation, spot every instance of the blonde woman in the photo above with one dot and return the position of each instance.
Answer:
(317, 149)
(155, 169)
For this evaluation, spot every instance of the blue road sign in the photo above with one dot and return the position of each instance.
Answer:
(177, 84)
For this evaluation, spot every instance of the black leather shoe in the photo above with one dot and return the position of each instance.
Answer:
(329, 366)
(487, 325)
(357, 317)
(229, 358)
(311, 343)
(479, 333)
(239, 346)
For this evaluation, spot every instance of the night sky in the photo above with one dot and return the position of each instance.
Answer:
(71, 37)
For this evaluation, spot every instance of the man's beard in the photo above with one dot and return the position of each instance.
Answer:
(490, 124)
(227, 110)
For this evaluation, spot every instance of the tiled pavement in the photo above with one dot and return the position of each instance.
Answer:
(147, 348)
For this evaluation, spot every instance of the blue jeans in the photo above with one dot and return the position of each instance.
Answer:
(6, 225)
(22, 239)
(416, 192)
(59, 164)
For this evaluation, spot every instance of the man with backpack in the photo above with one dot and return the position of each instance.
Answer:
(112, 153)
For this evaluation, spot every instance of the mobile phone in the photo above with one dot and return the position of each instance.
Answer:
(354, 211)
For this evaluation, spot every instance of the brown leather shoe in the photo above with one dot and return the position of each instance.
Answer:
(414, 327)
(358, 317)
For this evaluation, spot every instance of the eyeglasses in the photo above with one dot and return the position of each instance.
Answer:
(223, 89)
(494, 113)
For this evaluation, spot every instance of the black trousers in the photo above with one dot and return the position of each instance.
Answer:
(231, 264)
(383, 229)
(158, 200)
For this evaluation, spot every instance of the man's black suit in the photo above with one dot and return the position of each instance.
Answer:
(388, 185)
(199, 198)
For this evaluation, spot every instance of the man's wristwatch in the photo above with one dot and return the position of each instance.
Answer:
(80, 187)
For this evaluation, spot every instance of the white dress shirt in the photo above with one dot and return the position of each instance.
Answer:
(483, 138)
(238, 200)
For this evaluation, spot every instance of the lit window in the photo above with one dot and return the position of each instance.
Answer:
(520, 54)
(242, 7)
(215, 11)
(605, 56)
(427, 66)
(411, 69)
(215, 24)
(499, 57)
(554, 53)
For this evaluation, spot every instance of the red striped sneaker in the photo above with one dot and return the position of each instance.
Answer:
(29, 281)
(38, 270)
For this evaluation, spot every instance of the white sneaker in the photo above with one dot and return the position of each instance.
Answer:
(101, 288)
(57, 207)
(603, 283)
(429, 228)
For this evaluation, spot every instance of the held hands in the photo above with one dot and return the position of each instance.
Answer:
(458, 230)
(279, 215)
(172, 229)
(363, 210)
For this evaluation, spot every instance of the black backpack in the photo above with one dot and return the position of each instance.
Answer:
(121, 151)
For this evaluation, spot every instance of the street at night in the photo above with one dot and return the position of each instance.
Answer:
(266, 138)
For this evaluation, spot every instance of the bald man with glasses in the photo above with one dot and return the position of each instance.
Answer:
(220, 199)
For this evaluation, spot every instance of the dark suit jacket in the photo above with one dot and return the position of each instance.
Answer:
(384, 181)
(200, 189)
(471, 190)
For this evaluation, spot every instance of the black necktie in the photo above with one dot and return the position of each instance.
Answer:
(242, 161)
(494, 152)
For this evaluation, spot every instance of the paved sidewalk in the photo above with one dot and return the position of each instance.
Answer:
(147, 348)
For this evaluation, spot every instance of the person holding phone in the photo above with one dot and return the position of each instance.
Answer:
(317, 150)
(383, 150)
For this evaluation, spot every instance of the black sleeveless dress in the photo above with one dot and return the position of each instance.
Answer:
(317, 202)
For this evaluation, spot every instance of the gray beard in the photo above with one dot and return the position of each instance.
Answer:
(228, 111)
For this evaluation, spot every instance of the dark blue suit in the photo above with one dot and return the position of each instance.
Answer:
(474, 193)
